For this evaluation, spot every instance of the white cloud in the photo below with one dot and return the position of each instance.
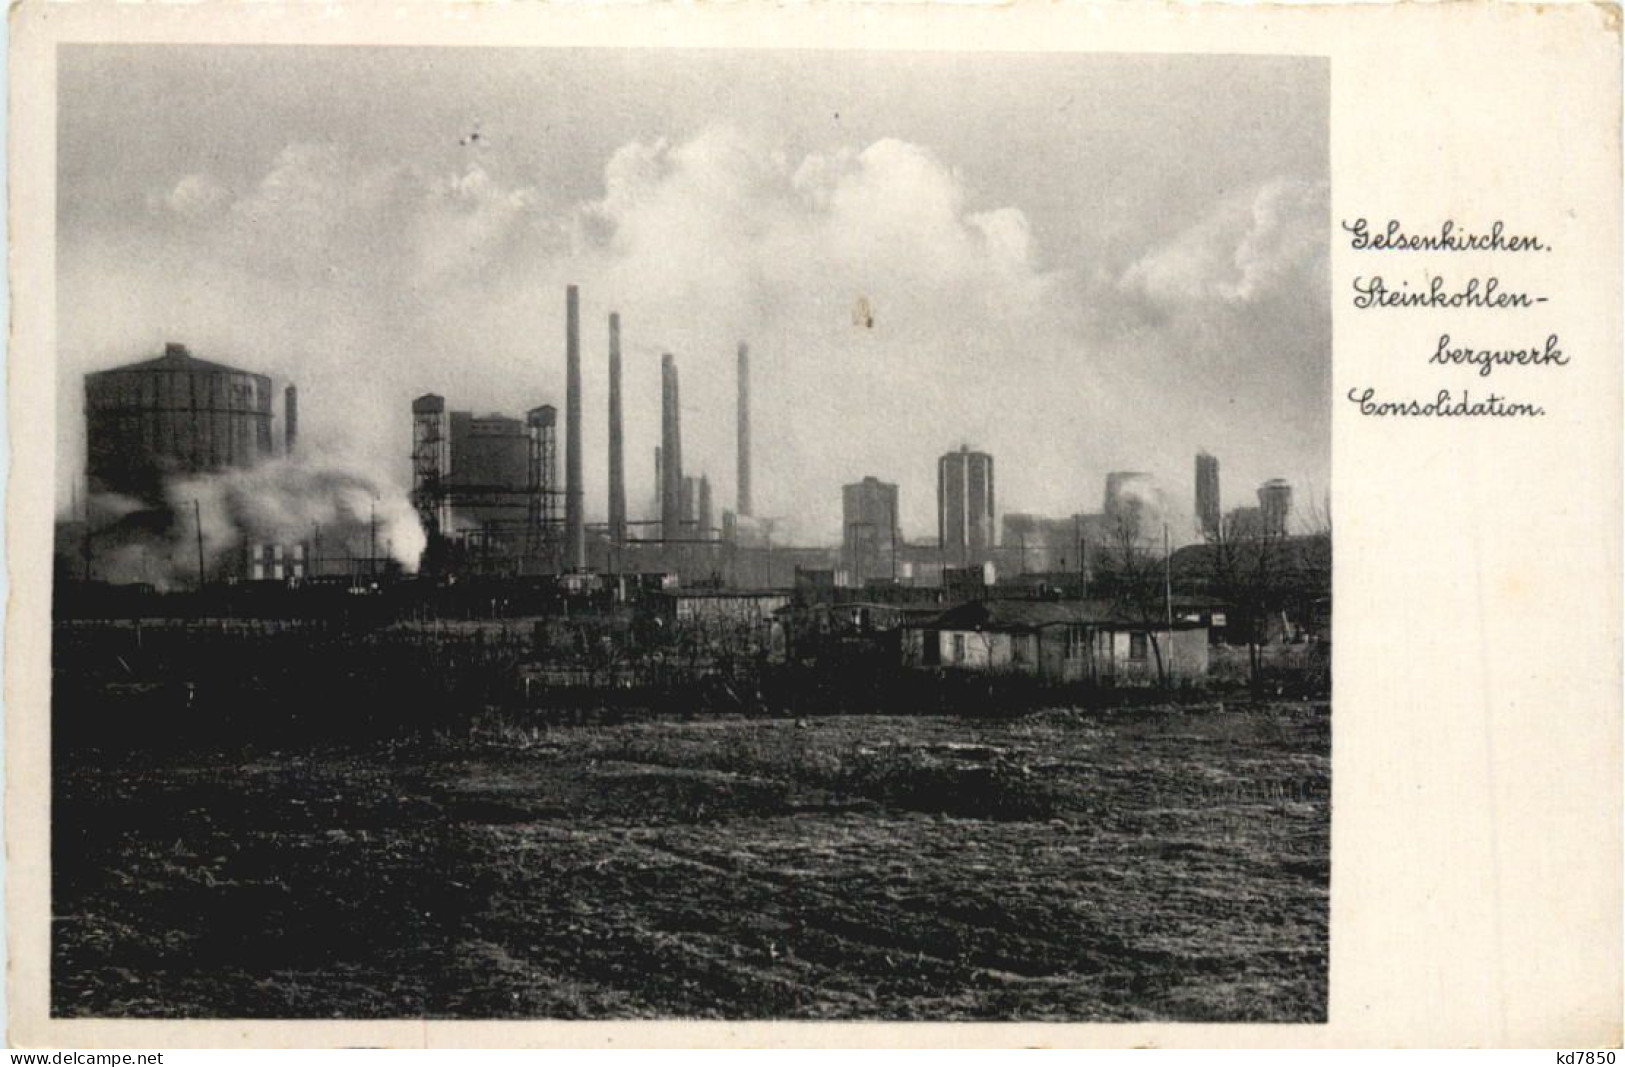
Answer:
(370, 282)
(725, 219)
(462, 224)
(1248, 249)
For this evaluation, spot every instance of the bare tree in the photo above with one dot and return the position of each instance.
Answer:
(1135, 575)
(1316, 527)
(1314, 580)
(1244, 564)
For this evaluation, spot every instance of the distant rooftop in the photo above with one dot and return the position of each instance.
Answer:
(177, 357)
(1006, 615)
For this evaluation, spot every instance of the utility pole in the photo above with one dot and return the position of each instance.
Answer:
(372, 538)
(197, 516)
(1168, 606)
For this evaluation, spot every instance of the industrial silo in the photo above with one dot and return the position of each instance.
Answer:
(173, 415)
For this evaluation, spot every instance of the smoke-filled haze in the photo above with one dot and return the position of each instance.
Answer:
(1077, 263)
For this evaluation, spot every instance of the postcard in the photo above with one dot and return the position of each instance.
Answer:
(812, 525)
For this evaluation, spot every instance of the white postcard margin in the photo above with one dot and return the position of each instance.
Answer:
(1476, 869)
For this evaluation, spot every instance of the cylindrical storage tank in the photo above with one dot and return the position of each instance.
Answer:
(173, 415)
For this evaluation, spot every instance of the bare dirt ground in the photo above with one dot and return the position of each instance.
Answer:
(1066, 865)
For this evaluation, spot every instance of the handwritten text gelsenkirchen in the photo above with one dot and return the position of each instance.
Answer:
(1473, 293)
(1448, 239)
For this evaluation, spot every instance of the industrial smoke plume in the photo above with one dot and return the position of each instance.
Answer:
(287, 500)
(1143, 506)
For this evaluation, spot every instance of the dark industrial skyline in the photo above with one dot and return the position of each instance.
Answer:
(493, 477)
(1073, 307)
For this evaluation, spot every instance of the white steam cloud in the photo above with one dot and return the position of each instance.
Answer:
(289, 500)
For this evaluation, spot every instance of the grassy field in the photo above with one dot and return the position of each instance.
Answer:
(1066, 865)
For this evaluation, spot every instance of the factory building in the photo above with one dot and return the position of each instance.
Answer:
(490, 493)
(1270, 518)
(174, 415)
(1275, 506)
(869, 535)
(965, 505)
(487, 484)
(490, 463)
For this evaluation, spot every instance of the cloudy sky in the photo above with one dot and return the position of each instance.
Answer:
(1077, 263)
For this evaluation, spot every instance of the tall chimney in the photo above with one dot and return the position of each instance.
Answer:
(686, 499)
(743, 504)
(290, 419)
(617, 470)
(575, 524)
(671, 473)
(704, 532)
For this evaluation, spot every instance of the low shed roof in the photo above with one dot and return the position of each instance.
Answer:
(1027, 615)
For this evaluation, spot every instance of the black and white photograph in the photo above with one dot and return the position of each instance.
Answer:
(595, 533)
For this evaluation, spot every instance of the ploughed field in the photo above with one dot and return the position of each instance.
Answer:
(1066, 865)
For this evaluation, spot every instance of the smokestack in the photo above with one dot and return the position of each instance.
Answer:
(617, 472)
(671, 470)
(575, 524)
(290, 419)
(743, 504)
(704, 533)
